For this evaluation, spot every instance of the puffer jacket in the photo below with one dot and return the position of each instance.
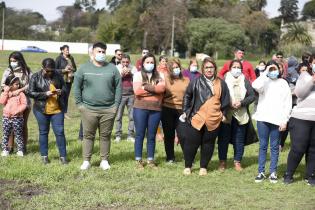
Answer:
(38, 87)
(198, 92)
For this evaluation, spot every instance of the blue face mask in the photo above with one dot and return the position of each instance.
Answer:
(313, 68)
(176, 71)
(236, 72)
(148, 67)
(100, 57)
(273, 74)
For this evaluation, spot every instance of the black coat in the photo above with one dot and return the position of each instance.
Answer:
(198, 92)
(61, 63)
(38, 87)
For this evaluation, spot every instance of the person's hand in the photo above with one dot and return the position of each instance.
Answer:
(58, 92)
(237, 104)
(49, 93)
(282, 127)
(6, 88)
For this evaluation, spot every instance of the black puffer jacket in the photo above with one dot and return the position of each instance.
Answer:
(198, 92)
(38, 87)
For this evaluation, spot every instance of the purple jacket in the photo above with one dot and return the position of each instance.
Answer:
(191, 75)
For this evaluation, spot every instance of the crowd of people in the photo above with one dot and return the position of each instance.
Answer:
(195, 107)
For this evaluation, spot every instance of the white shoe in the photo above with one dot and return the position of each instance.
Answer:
(131, 139)
(85, 165)
(117, 139)
(104, 165)
(5, 153)
(20, 153)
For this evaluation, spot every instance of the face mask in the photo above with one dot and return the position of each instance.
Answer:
(236, 72)
(313, 68)
(14, 64)
(261, 68)
(100, 57)
(193, 68)
(148, 67)
(176, 71)
(273, 74)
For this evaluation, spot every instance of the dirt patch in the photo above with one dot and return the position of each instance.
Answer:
(11, 190)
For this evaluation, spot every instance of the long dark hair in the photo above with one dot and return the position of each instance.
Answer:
(20, 59)
(155, 74)
(170, 69)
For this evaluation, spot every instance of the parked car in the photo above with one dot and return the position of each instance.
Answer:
(33, 49)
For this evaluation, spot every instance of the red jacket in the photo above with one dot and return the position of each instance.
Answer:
(248, 70)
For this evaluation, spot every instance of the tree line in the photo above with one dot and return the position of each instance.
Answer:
(209, 26)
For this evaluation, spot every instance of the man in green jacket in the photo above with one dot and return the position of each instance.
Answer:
(97, 92)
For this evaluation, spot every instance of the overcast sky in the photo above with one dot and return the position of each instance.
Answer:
(48, 7)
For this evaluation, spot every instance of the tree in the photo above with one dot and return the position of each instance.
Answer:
(309, 10)
(297, 33)
(211, 35)
(289, 10)
(256, 5)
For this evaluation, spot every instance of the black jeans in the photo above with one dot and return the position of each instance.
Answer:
(302, 134)
(170, 119)
(68, 90)
(195, 138)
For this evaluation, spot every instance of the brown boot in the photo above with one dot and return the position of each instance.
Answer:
(238, 166)
(151, 164)
(222, 165)
(140, 164)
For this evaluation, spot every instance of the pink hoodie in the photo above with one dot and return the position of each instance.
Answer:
(14, 106)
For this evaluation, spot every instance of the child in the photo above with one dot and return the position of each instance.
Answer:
(14, 106)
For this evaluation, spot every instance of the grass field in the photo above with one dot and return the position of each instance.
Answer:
(25, 183)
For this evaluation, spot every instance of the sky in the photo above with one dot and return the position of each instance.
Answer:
(48, 7)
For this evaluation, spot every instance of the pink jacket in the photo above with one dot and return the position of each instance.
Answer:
(14, 106)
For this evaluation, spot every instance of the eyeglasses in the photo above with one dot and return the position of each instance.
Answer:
(209, 67)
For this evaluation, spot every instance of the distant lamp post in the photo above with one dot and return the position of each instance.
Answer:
(2, 6)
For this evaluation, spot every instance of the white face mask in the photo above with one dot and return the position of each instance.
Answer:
(14, 64)
(236, 72)
(261, 68)
(193, 68)
(148, 67)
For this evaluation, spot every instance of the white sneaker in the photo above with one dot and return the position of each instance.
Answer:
(104, 165)
(131, 139)
(5, 153)
(85, 165)
(20, 153)
(117, 139)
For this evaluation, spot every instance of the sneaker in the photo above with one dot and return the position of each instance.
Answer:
(311, 180)
(222, 165)
(170, 162)
(5, 153)
(131, 139)
(140, 164)
(63, 160)
(273, 177)
(20, 153)
(104, 165)
(151, 164)
(238, 166)
(287, 179)
(187, 171)
(45, 160)
(260, 177)
(203, 172)
(117, 139)
(85, 165)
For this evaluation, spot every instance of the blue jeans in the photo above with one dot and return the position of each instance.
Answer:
(57, 122)
(234, 133)
(125, 101)
(266, 131)
(145, 121)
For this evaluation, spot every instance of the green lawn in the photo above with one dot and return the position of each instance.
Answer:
(25, 183)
